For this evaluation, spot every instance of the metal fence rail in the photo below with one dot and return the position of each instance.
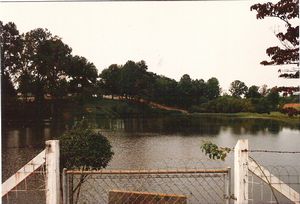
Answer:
(150, 186)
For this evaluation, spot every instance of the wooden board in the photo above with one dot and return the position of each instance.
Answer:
(134, 197)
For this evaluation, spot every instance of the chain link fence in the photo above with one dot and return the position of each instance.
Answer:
(30, 190)
(286, 178)
(149, 186)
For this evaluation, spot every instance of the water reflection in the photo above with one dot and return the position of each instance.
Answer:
(171, 142)
(146, 138)
(187, 125)
(20, 135)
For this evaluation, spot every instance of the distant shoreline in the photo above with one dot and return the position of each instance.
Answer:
(123, 109)
(272, 116)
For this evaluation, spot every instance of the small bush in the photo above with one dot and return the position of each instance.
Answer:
(290, 111)
(83, 148)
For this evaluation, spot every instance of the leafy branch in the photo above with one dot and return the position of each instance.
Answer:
(214, 151)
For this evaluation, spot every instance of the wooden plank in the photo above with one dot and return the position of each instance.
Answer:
(275, 182)
(23, 173)
(52, 172)
(241, 172)
(134, 197)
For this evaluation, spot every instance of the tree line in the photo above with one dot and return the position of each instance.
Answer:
(132, 80)
(40, 63)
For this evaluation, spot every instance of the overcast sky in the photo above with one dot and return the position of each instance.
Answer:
(204, 39)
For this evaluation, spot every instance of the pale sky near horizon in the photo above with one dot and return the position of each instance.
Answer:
(204, 39)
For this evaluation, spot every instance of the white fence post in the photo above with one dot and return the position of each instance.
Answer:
(52, 172)
(241, 172)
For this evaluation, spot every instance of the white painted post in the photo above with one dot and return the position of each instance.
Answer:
(241, 172)
(52, 172)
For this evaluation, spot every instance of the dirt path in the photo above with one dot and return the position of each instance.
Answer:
(163, 107)
(150, 103)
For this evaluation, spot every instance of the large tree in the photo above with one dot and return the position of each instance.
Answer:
(110, 80)
(11, 47)
(213, 88)
(44, 61)
(287, 53)
(199, 91)
(165, 90)
(135, 79)
(82, 75)
(253, 92)
(185, 89)
(238, 88)
(53, 57)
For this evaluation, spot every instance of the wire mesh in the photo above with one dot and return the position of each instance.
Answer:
(268, 180)
(30, 190)
(149, 186)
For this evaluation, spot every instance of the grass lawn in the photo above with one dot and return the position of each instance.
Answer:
(273, 115)
(119, 108)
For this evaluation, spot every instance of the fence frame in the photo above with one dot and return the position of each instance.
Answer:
(50, 157)
(69, 174)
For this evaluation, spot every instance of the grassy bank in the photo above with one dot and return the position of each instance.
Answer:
(122, 108)
(115, 109)
(272, 116)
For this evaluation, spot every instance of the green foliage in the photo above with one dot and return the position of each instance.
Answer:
(214, 151)
(185, 88)
(225, 104)
(291, 112)
(165, 90)
(83, 148)
(213, 88)
(238, 88)
(261, 105)
(288, 12)
(253, 92)
(110, 79)
(7, 86)
(41, 63)
(11, 47)
(82, 76)
(273, 98)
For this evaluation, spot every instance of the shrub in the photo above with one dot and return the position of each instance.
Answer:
(225, 104)
(83, 148)
(290, 111)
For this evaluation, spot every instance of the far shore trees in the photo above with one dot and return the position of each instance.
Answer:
(238, 88)
(253, 92)
(40, 64)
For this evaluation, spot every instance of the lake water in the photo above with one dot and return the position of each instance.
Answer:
(164, 142)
